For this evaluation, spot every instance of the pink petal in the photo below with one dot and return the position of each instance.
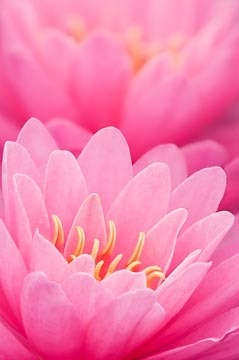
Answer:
(88, 296)
(83, 263)
(119, 322)
(11, 347)
(161, 239)
(45, 257)
(50, 320)
(182, 287)
(12, 270)
(169, 154)
(217, 293)
(204, 154)
(68, 135)
(15, 160)
(123, 281)
(142, 203)
(34, 137)
(205, 234)
(229, 245)
(38, 92)
(32, 201)
(65, 187)
(106, 164)
(208, 339)
(159, 85)
(204, 188)
(92, 85)
(231, 196)
(90, 218)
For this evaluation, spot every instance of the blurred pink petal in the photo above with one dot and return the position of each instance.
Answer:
(159, 70)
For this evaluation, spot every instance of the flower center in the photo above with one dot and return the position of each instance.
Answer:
(104, 264)
(141, 51)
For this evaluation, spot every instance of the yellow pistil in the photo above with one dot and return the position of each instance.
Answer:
(104, 266)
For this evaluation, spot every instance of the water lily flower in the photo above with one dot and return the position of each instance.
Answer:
(104, 260)
(161, 71)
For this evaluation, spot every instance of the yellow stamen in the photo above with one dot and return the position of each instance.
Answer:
(151, 269)
(153, 275)
(95, 249)
(111, 239)
(58, 234)
(81, 241)
(133, 265)
(138, 249)
(98, 268)
(114, 264)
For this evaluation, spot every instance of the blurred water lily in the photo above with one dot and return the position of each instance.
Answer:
(104, 260)
(160, 70)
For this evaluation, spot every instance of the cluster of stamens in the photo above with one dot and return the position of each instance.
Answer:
(104, 266)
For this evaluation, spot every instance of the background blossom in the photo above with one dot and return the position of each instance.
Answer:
(62, 216)
(161, 71)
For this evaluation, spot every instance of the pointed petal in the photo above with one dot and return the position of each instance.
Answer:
(204, 188)
(45, 257)
(182, 287)
(142, 203)
(33, 203)
(15, 160)
(205, 234)
(90, 218)
(161, 239)
(38, 142)
(65, 187)
(169, 154)
(106, 164)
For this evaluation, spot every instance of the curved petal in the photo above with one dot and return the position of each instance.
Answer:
(65, 187)
(134, 311)
(50, 320)
(204, 188)
(169, 154)
(142, 203)
(90, 218)
(34, 137)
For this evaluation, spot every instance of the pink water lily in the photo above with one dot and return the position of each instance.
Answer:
(104, 260)
(161, 71)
